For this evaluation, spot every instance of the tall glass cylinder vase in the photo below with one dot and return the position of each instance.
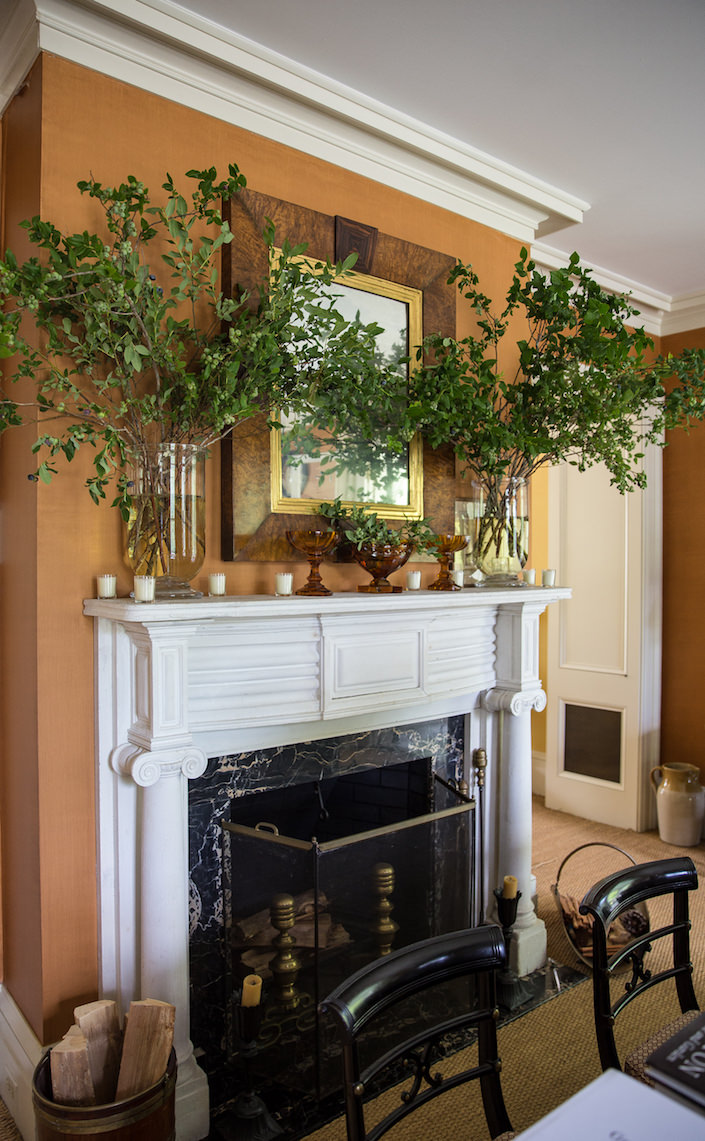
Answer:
(166, 528)
(501, 529)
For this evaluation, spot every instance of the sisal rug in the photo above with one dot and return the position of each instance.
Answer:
(8, 1129)
(550, 1053)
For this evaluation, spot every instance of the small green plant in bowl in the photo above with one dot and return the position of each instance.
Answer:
(376, 545)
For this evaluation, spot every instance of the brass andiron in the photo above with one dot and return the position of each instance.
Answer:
(384, 926)
(285, 965)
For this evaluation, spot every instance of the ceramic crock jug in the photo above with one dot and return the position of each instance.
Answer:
(680, 803)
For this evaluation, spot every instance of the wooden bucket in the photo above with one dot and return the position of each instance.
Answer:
(147, 1116)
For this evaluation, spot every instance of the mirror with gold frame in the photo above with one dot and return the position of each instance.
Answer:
(310, 466)
(250, 529)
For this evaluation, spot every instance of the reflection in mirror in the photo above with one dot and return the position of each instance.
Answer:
(310, 466)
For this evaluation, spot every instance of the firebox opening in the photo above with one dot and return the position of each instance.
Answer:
(341, 806)
(366, 862)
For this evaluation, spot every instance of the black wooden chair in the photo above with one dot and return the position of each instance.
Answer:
(620, 895)
(378, 989)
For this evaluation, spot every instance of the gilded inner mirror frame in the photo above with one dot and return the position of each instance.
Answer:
(389, 483)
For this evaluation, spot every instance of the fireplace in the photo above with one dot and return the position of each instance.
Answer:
(370, 837)
(180, 684)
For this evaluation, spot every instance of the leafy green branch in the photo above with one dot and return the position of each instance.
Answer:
(128, 340)
(585, 391)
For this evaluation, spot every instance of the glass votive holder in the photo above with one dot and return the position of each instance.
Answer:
(458, 577)
(283, 584)
(216, 584)
(413, 580)
(529, 576)
(548, 578)
(106, 585)
(144, 588)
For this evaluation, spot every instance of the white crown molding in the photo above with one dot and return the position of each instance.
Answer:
(159, 47)
(19, 36)
(155, 45)
(660, 314)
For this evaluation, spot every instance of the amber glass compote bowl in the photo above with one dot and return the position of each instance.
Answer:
(447, 545)
(380, 560)
(313, 544)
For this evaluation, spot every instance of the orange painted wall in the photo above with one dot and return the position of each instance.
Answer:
(682, 707)
(69, 123)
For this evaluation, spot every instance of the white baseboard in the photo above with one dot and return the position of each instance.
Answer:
(538, 774)
(20, 1053)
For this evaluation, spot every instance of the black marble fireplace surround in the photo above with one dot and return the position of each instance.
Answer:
(211, 800)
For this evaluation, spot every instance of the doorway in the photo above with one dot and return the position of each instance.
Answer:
(604, 646)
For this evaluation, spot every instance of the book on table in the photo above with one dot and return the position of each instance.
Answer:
(679, 1064)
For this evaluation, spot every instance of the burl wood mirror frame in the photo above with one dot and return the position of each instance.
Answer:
(250, 530)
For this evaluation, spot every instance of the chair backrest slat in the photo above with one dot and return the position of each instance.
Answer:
(375, 990)
(625, 891)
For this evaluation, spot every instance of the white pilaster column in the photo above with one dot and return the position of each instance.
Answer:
(164, 933)
(160, 759)
(517, 692)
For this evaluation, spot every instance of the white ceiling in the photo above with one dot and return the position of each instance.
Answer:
(602, 99)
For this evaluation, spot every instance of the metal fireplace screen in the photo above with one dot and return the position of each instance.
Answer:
(321, 878)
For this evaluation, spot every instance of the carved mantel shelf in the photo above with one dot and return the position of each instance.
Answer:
(180, 681)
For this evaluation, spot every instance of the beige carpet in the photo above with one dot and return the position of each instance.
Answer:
(550, 1053)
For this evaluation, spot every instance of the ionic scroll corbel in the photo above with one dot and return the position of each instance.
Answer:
(514, 701)
(146, 768)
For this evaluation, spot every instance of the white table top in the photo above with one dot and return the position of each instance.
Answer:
(618, 1108)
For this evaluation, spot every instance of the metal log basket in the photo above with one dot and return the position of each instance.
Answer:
(577, 927)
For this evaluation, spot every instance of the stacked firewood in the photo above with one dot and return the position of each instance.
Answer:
(627, 926)
(96, 1062)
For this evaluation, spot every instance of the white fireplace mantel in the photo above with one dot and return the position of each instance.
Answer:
(180, 681)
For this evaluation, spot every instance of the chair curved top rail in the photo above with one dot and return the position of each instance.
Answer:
(412, 969)
(630, 886)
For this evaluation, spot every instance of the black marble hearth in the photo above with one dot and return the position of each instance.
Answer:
(211, 799)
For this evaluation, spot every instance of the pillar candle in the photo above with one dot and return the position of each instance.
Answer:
(283, 584)
(144, 588)
(107, 584)
(216, 584)
(509, 888)
(251, 990)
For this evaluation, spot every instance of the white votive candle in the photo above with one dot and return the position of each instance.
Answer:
(283, 583)
(548, 577)
(216, 583)
(144, 587)
(413, 580)
(458, 577)
(529, 576)
(107, 585)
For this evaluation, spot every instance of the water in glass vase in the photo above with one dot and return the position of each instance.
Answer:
(165, 535)
(167, 521)
(500, 530)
